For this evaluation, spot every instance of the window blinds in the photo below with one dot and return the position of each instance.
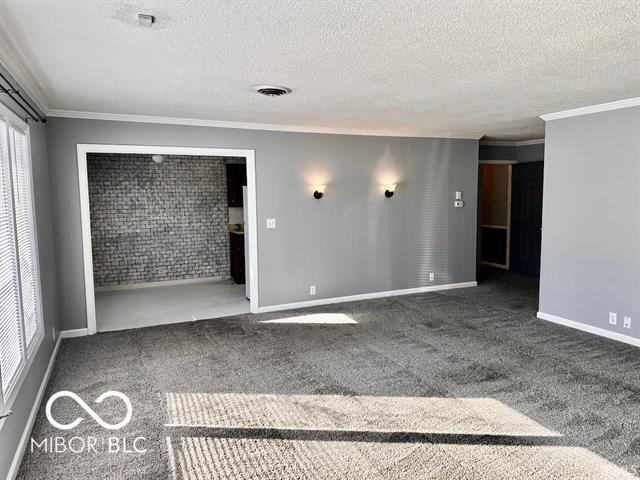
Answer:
(11, 342)
(25, 237)
(20, 325)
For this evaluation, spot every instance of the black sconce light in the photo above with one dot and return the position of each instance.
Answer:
(389, 190)
(319, 192)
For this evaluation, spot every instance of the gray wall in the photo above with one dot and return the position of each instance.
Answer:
(518, 154)
(530, 153)
(352, 241)
(12, 428)
(152, 222)
(498, 152)
(591, 219)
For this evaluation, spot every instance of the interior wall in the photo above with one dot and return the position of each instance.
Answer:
(353, 241)
(591, 220)
(12, 428)
(154, 222)
(517, 154)
(530, 153)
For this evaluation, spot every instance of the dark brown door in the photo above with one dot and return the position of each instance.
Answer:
(526, 217)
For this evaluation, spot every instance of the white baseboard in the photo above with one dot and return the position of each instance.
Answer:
(24, 440)
(78, 332)
(364, 296)
(166, 283)
(620, 337)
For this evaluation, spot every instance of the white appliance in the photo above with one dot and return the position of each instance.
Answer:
(245, 220)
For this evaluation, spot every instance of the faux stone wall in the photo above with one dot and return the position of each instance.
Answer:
(156, 222)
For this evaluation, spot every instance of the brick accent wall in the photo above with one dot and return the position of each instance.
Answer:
(156, 222)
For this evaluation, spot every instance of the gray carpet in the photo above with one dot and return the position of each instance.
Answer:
(459, 384)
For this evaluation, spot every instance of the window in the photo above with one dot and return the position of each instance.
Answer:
(20, 303)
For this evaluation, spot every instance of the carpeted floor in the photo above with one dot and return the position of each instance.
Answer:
(459, 384)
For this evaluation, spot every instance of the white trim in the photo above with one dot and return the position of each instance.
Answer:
(535, 141)
(84, 148)
(78, 332)
(365, 296)
(497, 162)
(197, 122)
(521, 143)
(166, 283)
(22, 446)
(497, 143)
(620, 337)
(601, 107)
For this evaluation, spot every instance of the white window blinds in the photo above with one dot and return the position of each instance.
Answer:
(11, 344)
(20, 322)
(25, 238)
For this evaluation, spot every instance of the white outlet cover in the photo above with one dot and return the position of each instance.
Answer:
(458, 203)
(432, 276)
(271, 223)
(312, 290)
(613, 318)
(458, 195)
(627, 322)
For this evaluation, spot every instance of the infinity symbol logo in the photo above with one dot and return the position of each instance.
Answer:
(89, 410)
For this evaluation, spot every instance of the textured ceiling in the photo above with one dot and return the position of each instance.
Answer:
(462, 67)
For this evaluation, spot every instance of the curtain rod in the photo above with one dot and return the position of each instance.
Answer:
(22, 102)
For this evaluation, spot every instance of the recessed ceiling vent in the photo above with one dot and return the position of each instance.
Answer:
(272, 90)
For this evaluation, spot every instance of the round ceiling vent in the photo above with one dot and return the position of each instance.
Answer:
(272, 90)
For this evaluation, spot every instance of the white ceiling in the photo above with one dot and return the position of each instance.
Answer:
(463, 67)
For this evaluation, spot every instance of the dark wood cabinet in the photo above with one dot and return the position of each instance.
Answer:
(236, 241)
(236, 179)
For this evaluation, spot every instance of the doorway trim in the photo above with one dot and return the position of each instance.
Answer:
(83, 180)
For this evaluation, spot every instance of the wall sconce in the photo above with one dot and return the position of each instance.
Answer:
(389, 190)
(319, 191)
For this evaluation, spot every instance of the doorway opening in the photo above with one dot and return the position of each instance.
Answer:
(168, 234)
(510, 208)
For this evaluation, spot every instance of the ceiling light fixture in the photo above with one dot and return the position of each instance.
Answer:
(146, 20)
(271, 90)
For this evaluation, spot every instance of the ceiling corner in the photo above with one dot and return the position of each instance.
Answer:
(13, 61)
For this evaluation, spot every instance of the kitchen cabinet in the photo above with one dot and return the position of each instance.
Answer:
(236, 179)
(236, 241)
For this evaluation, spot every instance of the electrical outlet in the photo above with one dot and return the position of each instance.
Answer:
(626, 322)
(312, 290)
(613, 318)
(271, 223)
(458, 203)
(432, 277)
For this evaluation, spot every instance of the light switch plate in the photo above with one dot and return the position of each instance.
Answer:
(271, 223)
(626, 322)
(458, 195)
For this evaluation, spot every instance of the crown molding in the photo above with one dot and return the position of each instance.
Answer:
(522, 143)
(14, 63)
(119, 117)
(601, 107)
